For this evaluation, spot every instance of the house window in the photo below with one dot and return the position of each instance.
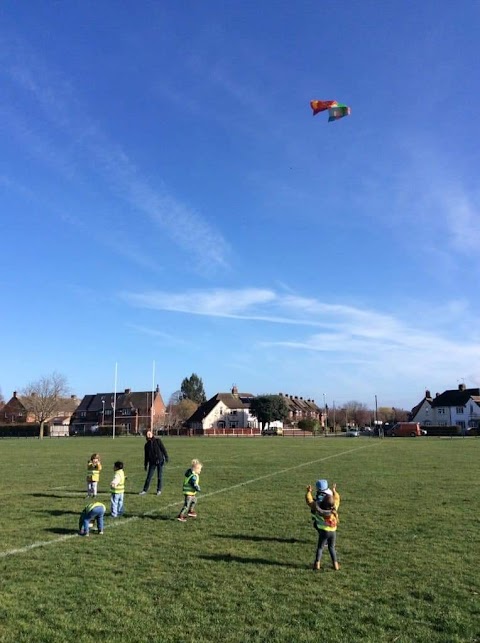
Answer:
(233, 413)
(461, 424)
(441, 411)
(108, 411)
(460, 410)
(232, 425)
(83, 414)
(221, 424)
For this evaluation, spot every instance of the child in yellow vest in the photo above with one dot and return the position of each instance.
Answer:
(117, 488)
(325, 521)
(93, 475)
(92, 512)
(190, 488)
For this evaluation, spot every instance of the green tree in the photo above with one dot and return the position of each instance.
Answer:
(268, 408)
(309, 424)
(192, 389)
(43, 397)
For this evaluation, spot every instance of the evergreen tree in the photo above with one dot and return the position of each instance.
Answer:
(268, 408)
(192, 389)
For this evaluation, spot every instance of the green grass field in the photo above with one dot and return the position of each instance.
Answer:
(408, 543)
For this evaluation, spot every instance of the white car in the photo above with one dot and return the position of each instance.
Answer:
(352, 433)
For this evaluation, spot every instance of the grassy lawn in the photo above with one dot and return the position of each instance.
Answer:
(408, 543)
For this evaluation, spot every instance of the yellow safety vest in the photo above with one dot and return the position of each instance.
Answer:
(120, 488)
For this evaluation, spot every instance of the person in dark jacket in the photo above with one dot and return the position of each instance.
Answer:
(155, 457)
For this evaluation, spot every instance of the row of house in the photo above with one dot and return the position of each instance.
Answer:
(230, 412)
(134, 412)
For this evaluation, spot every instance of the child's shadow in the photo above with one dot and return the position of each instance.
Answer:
(155, 517)
(61, 530)
(260, 538)
(229, 558)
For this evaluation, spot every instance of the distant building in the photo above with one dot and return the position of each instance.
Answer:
(135, 411)
(224, 413)
(15, 411)
(460, 406)
(230, 412)
(300, 408)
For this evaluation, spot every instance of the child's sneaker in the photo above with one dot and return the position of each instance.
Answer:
(181, 518)
(192, 514)
(100, 533)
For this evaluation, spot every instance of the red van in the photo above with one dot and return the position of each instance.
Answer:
(405, 429)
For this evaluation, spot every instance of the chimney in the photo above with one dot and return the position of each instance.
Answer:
(157, 389)
(234, 391)
(428, 394)
(462, 387)
(14, 393)
(73, 397)
(127, 391)
(437, 394)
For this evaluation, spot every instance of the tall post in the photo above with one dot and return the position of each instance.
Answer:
(376, 417)
(334, 423)
(325, 411)
(114, 401)
(152, 410)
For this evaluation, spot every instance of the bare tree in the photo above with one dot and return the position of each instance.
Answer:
(355, 413)
(2, 401)
(43, 397)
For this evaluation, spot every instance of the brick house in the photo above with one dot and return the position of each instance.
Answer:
(15, 411)
(135, 411)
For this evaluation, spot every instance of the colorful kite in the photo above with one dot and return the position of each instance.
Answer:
(338, 111)
(335, 110)
(321, 105)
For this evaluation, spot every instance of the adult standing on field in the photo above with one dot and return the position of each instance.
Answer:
(155, 457)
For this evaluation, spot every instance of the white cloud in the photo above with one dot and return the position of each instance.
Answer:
(374, 344)
(82, 137)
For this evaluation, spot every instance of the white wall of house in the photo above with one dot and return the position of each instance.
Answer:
(424, 414)
(221, 416)
(463, 416)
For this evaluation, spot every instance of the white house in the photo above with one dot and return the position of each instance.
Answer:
(224, 411)
(459, 407)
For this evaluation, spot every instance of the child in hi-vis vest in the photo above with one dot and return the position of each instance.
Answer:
(92, 512)
(117, 488)
(93, 475)
(190, 488)
(325, 520)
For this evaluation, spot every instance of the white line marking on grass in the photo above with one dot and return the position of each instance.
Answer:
(125, 521)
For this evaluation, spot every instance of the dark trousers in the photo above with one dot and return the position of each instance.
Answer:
(150, 472)
(326, 538)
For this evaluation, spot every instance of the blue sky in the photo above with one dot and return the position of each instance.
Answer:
(167, 196)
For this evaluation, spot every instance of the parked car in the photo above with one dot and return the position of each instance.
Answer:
(404, 429)
(352, 433)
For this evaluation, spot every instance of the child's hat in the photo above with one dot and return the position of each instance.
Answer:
(322, 485)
